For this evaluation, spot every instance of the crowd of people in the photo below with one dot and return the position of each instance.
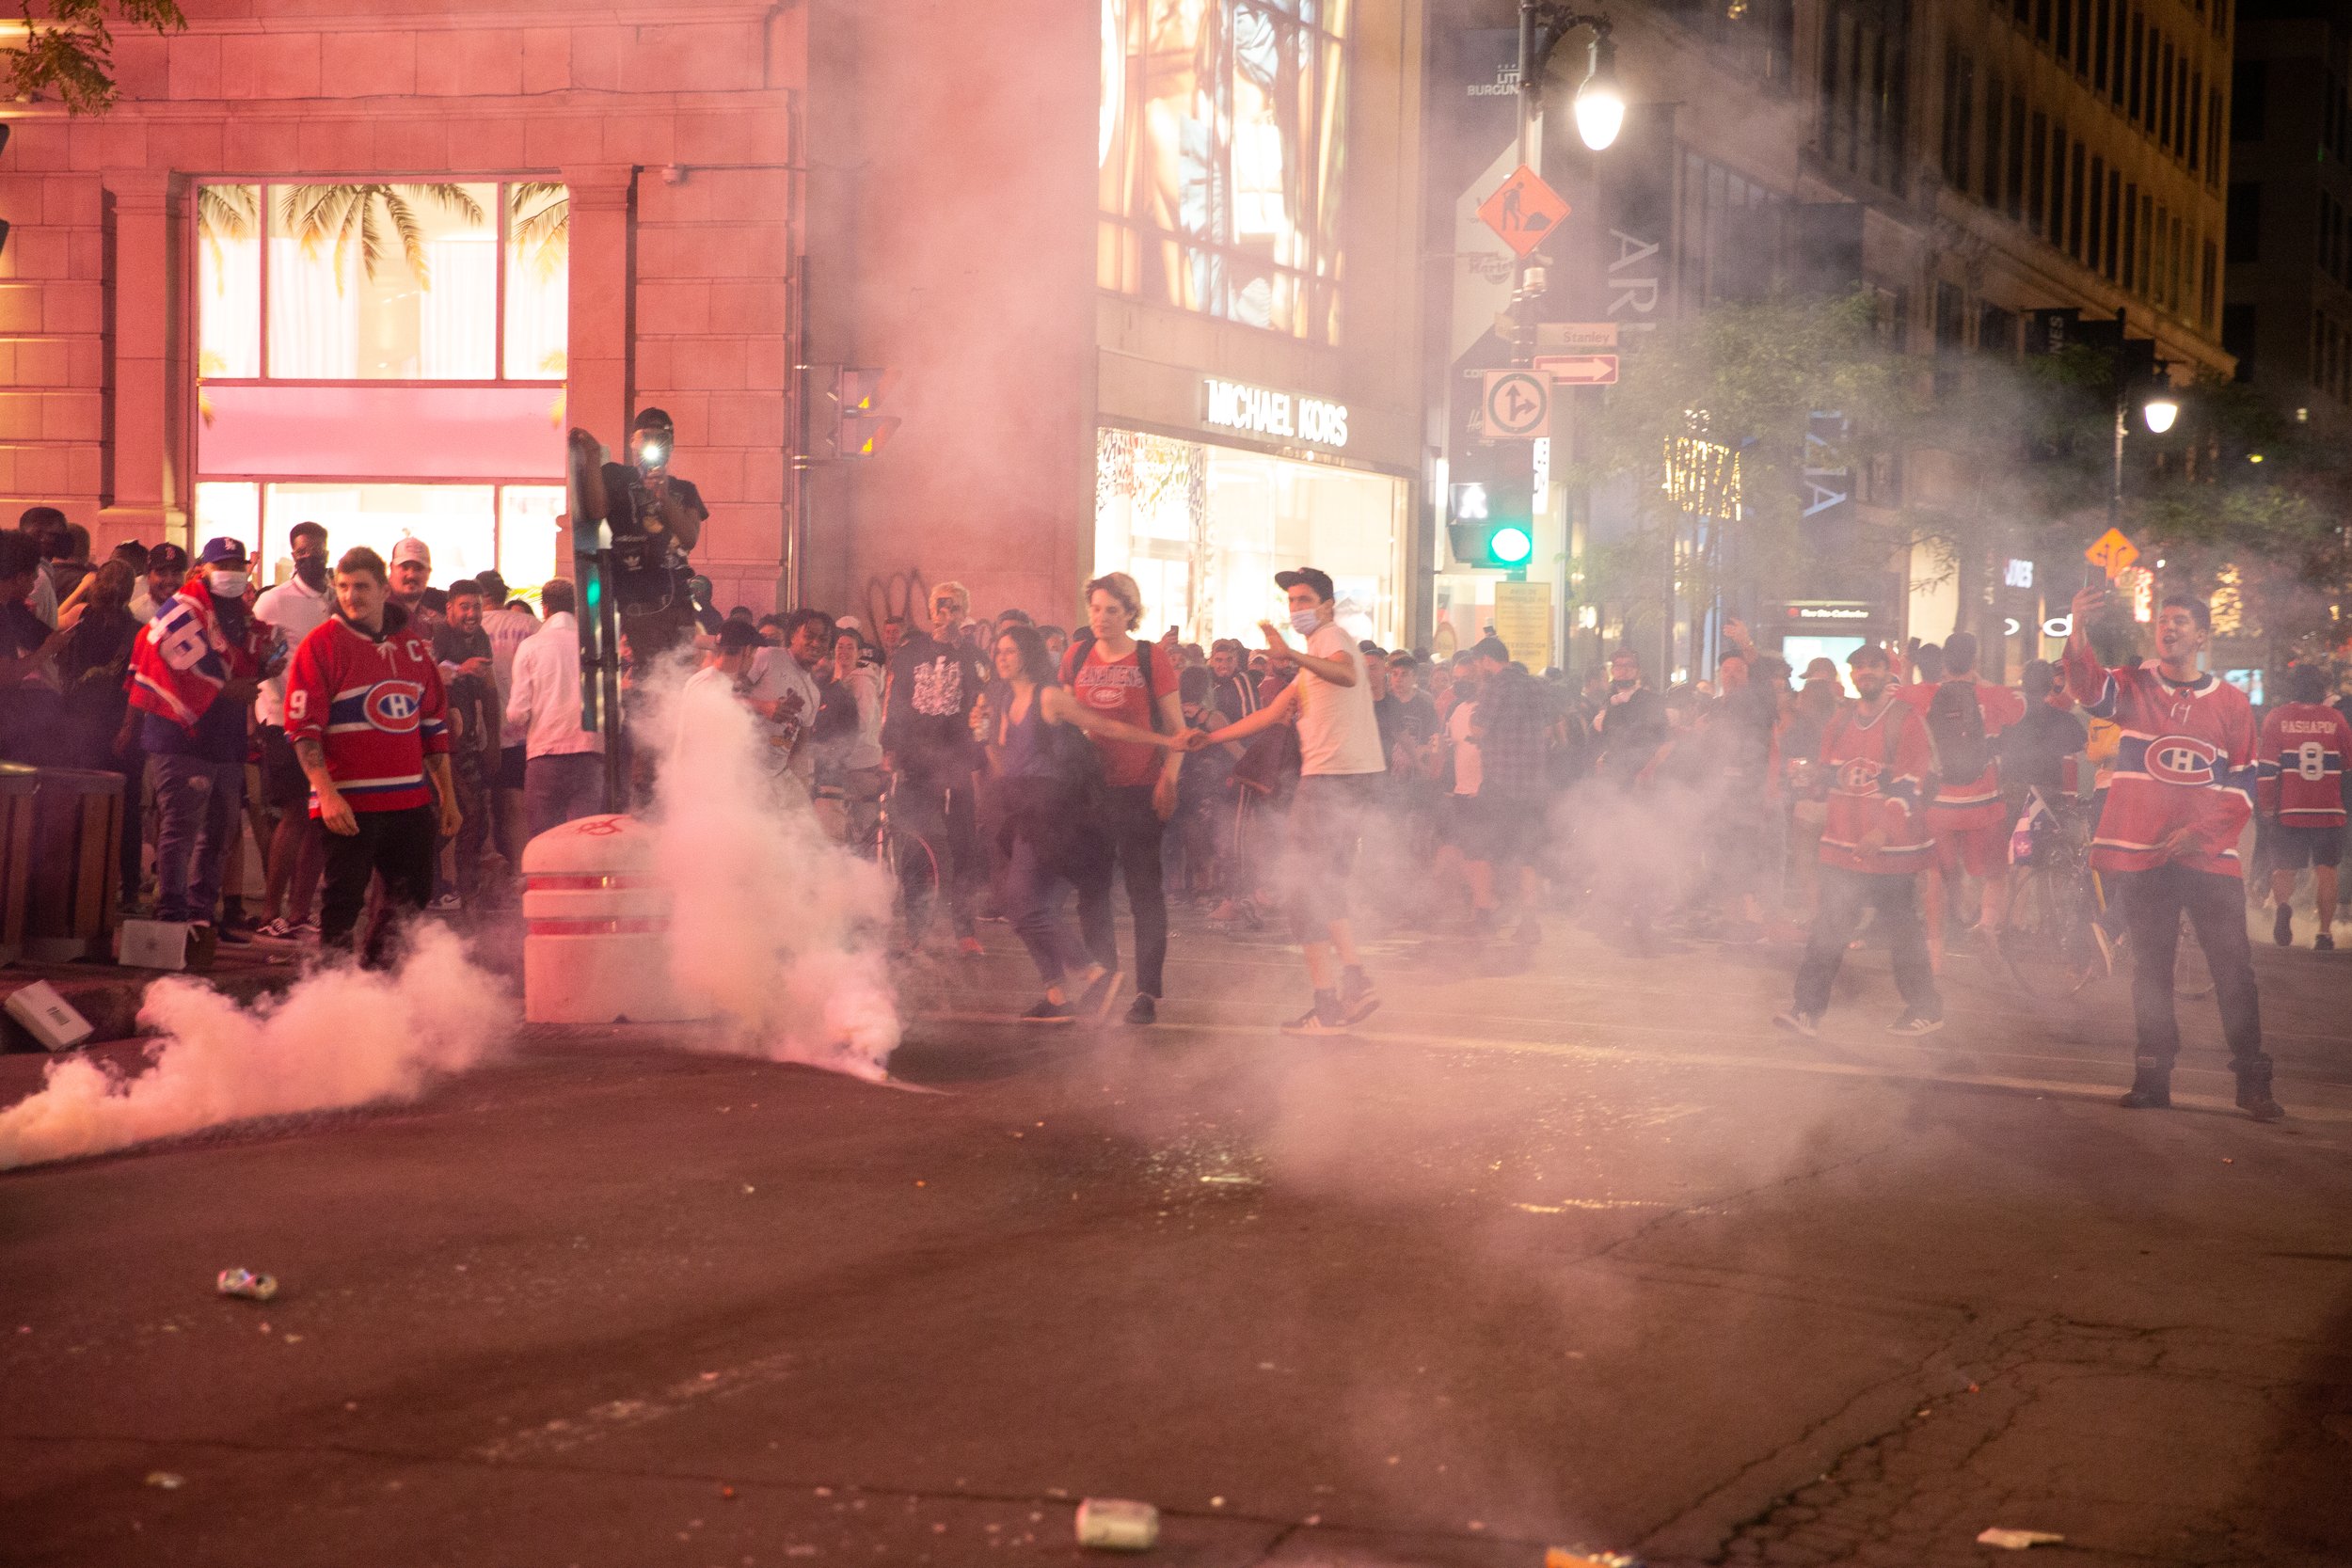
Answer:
(393, 743)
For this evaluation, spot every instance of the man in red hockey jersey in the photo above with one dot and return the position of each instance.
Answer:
(367, 716)
(1875, 757)
(2300, 793)
(2181, 794)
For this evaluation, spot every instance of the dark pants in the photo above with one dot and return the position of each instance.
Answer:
(394, 844)
(1136, 834)
(561, 789)
(1034, 885)
(199, 805)
(2153, 902)
(940, 813)
(1845, 896)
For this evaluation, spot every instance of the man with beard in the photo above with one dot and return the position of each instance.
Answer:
(368, 717)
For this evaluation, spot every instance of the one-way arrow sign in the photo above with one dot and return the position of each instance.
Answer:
(1580, 370)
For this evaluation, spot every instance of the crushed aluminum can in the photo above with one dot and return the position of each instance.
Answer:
(2017, 1540)
(165, 1480)
(1116, 1524)
(247, 1284)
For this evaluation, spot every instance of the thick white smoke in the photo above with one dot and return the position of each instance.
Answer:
(781, 929)
(343, 1036)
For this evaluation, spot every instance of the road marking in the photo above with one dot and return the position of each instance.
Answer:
(1568, 1203)
(562, 1435)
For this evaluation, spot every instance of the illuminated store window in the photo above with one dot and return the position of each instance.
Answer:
(385, 359)
(1220, 153)
(1203, 529)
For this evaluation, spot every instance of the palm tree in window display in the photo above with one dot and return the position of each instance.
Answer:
(320, 214)
(539, 222)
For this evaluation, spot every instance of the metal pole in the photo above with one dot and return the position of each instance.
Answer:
(2115, 492)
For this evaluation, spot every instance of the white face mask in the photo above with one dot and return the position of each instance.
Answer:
(1304, 622)
(227, 585)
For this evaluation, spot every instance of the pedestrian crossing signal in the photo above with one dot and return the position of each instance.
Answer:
(1493, 524)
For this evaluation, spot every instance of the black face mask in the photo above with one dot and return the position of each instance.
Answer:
(1623, 686)
(311, 569)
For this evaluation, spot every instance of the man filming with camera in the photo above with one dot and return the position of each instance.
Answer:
(656, 518)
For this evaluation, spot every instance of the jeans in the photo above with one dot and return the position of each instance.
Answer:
(940, 813)
(2153, 902)
(198, 806)
(1844, 897)
(562, 788)
(1134, 832)
(395, 845)
(1034, 884)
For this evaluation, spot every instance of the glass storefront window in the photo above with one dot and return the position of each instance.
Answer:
(539, 296)
(1219, 158)
(231, 511)
(527, 519)
(458, 522)
(228, 282)
(1203, 529)
(383, 281)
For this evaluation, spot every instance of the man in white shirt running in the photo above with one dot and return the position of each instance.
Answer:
(1339, 768)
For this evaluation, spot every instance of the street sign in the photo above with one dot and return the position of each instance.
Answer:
(1517, 405)
(1580, 370)
(1576, 337)
(1524, 621)
(2112, 553)
(1523, 210)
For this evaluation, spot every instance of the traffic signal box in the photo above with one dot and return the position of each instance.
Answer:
(1492, 522)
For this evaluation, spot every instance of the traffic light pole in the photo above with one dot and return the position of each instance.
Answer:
(1542, 24)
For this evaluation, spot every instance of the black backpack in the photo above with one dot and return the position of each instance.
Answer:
(1956, 723)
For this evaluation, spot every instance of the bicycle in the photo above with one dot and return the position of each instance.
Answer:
(905, 857)
(2054, 937)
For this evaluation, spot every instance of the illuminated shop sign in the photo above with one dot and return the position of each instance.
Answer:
(1284, 415)
(1829, 612)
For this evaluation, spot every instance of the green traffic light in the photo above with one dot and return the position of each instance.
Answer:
(1511, 546)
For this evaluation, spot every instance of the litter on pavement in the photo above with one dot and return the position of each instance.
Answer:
(1117, 1525)
(2017, 1540)
(1577, 1556)
(165, 1480)
(247, 1284)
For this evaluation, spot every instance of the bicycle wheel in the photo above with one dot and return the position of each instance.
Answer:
(912, 868)
(2192, 977)
(2045, 941)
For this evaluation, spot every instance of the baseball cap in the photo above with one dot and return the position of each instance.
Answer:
(1870, 653)
(651, 418)
(1318, 580)
(1821, 670)
(167, 558)
(412, 548)
(737, 637)
(1491, 647)
(219, 552)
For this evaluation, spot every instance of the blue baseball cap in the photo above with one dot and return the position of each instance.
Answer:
(222, 552)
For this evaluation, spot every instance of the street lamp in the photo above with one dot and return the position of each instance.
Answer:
(1599, 105)
(2159, 412)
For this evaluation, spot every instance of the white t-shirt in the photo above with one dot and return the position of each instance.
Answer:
(296, 610)
(1338, 731)
(507, 629)
(1468, 770)
(777, 677)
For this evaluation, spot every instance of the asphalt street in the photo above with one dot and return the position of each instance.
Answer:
(1563, 1248)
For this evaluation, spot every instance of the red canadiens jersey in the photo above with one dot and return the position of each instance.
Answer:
(377, 707)
(2304, 747)
(2186, 759)
(1876, 767)
(1971, 803)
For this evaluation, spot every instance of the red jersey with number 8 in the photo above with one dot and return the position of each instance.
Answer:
(2304, 746)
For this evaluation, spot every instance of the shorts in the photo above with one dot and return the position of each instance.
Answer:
(1464, 826)
(1327, 815)
(1498, 829)
(2293, 848)
(512, 761)
(1978, 851)
(284, 783)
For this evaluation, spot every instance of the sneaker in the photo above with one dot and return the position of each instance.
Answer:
(309, 929)
(1913, 1025)
(1050, 1011)
(1143, 1009)
(448, 903)
(1314, 1021)
(1798, 1022)
(970, 947)
(2282, 929)
(2323, 944)
(1358, 1000)
(280, 929)
(2254, 1097)
(232, 936)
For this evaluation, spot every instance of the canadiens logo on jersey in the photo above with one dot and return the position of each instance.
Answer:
(1859, 775)
(393, 706)
(2182, 759)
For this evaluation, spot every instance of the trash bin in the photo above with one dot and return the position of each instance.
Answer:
(16, 857)
(72, 867)
(596, 927)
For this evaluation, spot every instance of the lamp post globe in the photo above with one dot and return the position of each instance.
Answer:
(2159, 412)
